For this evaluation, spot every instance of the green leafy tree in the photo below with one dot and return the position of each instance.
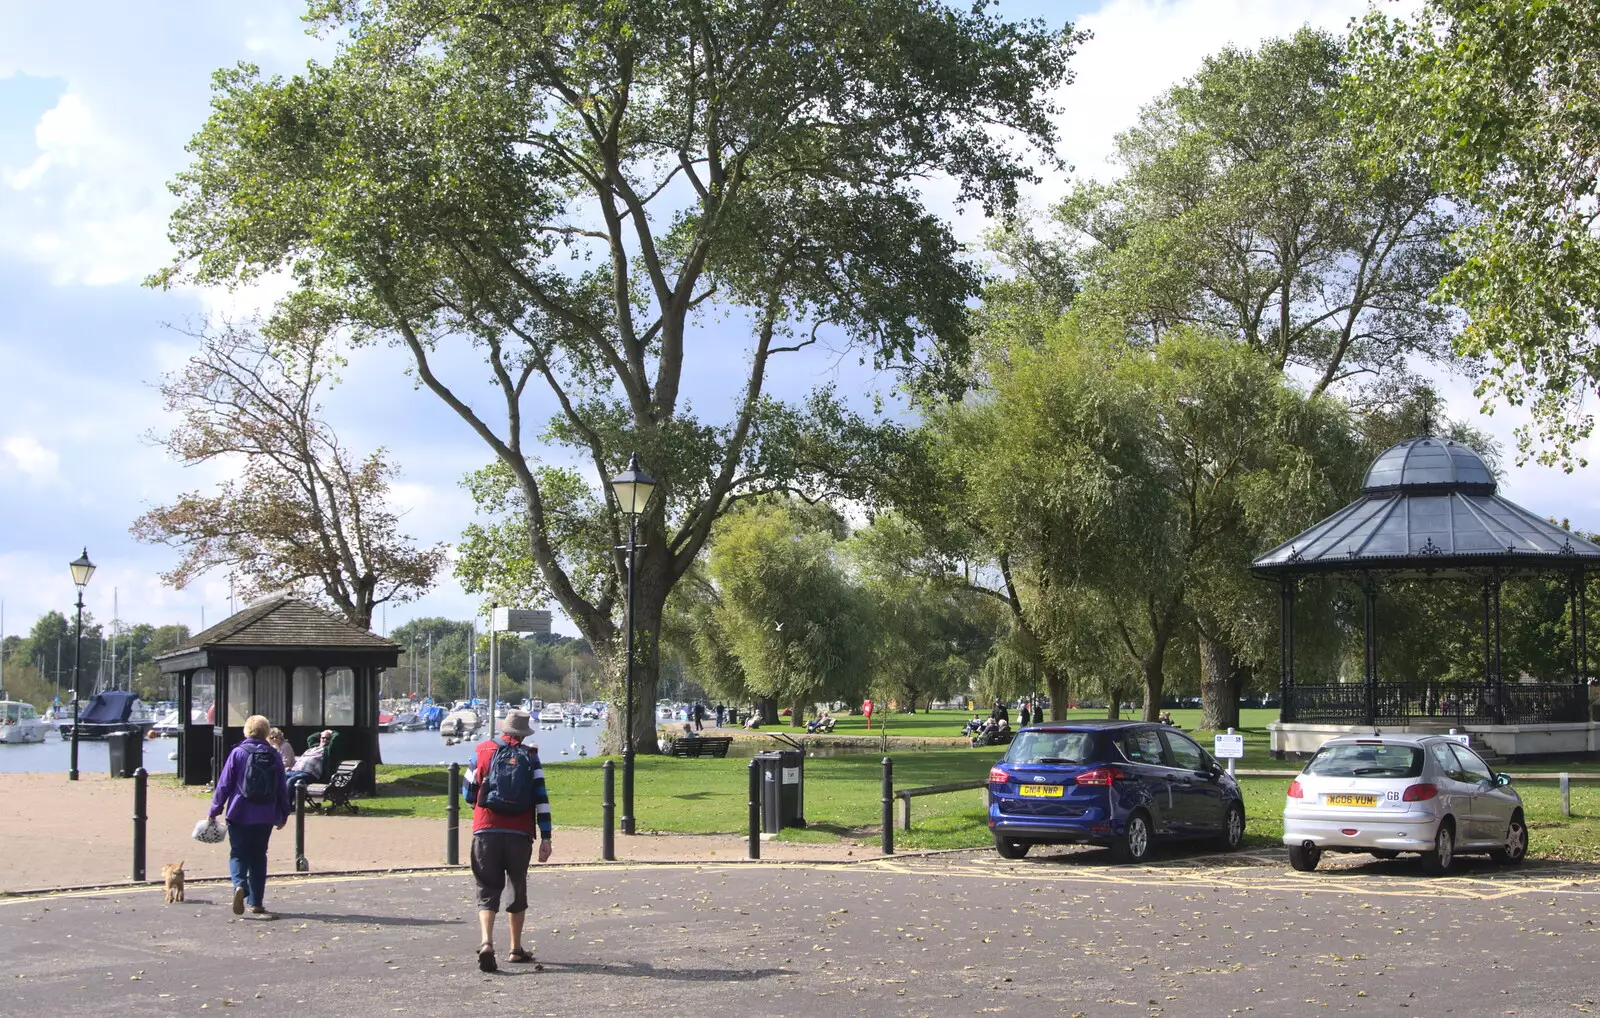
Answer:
(1495, 102)
(931, 632)
(799, 628)
(568, 190)
(1247, 210)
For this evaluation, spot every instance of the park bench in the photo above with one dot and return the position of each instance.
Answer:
(697, 746)
(337, 791)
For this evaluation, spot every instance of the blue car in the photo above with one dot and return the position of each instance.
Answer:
(1123, 784)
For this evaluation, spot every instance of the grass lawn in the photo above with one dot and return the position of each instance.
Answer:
(843, 800)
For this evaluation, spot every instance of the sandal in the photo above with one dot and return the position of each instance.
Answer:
(520, 955)
(486, 958)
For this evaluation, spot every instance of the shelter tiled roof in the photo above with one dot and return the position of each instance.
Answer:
(284, 622)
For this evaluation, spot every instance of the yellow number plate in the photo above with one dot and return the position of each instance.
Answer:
(1047, 791)
(1352, 800)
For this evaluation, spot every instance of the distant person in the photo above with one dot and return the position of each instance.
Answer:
(721, 712)
(753, 721)
(255, 797)
(699, 711)
(999, 712)
(276, 740)
(507, 791)
(866, 708)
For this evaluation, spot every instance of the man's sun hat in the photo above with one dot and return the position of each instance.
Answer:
(517, 724)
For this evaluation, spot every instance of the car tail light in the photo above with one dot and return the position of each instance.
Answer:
(1420, 792)
(1100, 776)
(998, 776)
(1295, 791)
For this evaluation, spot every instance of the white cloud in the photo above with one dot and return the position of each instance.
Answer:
(24, 454)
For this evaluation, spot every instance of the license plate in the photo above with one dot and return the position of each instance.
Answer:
(1352, 800)
(1043, 791)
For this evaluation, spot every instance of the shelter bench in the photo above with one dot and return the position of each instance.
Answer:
(698, 746)
(337, 791)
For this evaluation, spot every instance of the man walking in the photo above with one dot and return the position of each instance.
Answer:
(506, 789)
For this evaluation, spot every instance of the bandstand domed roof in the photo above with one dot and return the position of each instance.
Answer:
(1424, 463)
(1429, 506)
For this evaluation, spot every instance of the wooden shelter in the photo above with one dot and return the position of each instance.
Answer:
(304, 668)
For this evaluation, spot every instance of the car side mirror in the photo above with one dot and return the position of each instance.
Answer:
(1502, 779)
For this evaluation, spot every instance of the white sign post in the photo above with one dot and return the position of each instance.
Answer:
(1229, 747)
(511, 620)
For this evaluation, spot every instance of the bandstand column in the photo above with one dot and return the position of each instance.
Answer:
(1369, 636)
(1286, 711)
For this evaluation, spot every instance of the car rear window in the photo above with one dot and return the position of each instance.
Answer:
(1366, 760)
(1052, 748)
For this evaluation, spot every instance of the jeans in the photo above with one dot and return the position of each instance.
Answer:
(247, 859)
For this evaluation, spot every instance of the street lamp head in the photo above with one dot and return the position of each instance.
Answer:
(82, 569)
(633, 487)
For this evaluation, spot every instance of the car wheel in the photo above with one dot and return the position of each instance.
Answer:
(1135, 841)
(1011, 848)
(1384, 853)
(1438, 860)
(1304, 858)
(1233, 828)
(1516, 846)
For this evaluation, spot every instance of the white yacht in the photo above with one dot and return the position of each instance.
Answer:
(19, 722)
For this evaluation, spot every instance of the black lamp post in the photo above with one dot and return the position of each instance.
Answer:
(632, 487)
(82, 569)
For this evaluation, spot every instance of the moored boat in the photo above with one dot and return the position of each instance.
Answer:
(112, 711)
(20, 722)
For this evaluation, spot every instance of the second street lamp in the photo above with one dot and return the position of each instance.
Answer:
(632, 488)
(82, 569)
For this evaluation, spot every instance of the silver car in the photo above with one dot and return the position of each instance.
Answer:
(1387, 794)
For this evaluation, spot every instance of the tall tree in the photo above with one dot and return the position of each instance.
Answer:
(1495, 101)
(1247, 210)
(799, 628)
(568, 189)
(305, 513)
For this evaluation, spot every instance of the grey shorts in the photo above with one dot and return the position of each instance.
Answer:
(498, 860)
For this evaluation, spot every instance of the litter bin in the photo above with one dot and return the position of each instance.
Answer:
(782, 789)
(127, 753)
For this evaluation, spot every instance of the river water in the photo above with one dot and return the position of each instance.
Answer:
(53, 754)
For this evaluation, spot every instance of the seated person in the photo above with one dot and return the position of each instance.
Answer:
(754, 721)
(309, 767)
(688, 732)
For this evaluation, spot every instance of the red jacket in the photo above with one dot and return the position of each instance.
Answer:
(485, 819)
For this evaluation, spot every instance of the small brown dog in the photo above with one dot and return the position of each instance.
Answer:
(172, 875)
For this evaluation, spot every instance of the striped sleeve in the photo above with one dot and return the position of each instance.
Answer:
(541, 798)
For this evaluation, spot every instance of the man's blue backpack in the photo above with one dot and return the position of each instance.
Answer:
(508, 786)
(260, 776)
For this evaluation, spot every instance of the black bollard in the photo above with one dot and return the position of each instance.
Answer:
(755, 811)
(300, 863)
(452, 818)
(888, 806)
(608, 811)
(140, 777)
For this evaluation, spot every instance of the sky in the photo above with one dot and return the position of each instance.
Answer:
(95, 111)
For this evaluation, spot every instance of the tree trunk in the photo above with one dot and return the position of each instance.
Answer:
(1055, 683)
(1155, 680)
(797, 713)
(1114, 710)
(768, 705)
(1219, 685)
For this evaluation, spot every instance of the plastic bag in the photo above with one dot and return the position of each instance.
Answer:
(208, 831)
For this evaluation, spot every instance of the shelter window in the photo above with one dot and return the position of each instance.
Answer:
(307, 696)
(339, 697)
(272, 694)
(202, 695)
(239, 700)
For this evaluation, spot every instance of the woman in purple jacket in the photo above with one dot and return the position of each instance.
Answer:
(251, 818)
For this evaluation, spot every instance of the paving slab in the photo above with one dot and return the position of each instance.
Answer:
(1064, 933)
